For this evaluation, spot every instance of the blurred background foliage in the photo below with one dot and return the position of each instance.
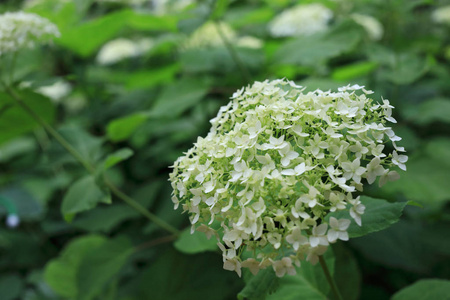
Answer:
(133, 110)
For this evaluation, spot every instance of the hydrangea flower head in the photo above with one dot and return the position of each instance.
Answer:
(208, 36)
(121, 48)
(442, 15)
(305, 19)
(372, 26)
(19, 30)
(275, 163)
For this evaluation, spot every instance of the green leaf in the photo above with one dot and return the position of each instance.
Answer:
(407, 245)
(309, 283)
(83, 195)
(148, 78)
(355, 70)
(346, 272)
(104, 219)
(100, 265)
(407, 68)
(378, 215)
(195, 243)
(425, 181)
(117, 157)
(11, 286)
(434, 110)
(260, 285)
(439, 150)
(86, 38)
(61, 273)
(220, 8)
(175, 276)
(142, 21)
(425, 289)
(178, 97)
(15, 121)
(122, 128)
(310, 50)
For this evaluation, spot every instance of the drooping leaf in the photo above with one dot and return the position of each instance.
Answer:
(84, 194)
(425, 289)
(195, 243)
(260, 285)
(100, 265)
(121, 129)
(346, 272)
(378, 215)
(15, 121)
(61, 273)
(309, 283)
(117, 157)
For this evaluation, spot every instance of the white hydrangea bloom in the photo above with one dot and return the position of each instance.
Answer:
(120, 49)
(207, 36)
(19, 30)
(372, 26)
(56, 91)
(275, 163)
(167, 6)
(12, 221)
(441, 15)
(305, 19)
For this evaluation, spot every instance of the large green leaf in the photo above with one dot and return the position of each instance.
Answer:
(175, 276)
(407, 245)
(260, 285)
(15, 121)
(178, 97)
(195, 243)
(11, 286)
(406, 69)
(425, 181)
(148, 78)
(425, 289)
(346, 272)
(100, 265)
(104, 219)
(310, 50)
(83, 195)
(309, 283)
(379, 215)
(433, 110)
(355, 70)
(61, 273)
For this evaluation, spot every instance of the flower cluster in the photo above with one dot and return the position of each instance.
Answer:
(442, 15)
(120, 49)
(305, 19)
(371, 25)
(276, 162)
(19, 30)
(208, 36)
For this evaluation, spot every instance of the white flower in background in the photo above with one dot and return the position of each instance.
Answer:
(12, 221)
(275, 163)
(56, 91)
(208, 36)
(120, 49)
(249, 42)
(441, 15)
(19, 30)
(372, 26)
(167, 6)
(300, 20)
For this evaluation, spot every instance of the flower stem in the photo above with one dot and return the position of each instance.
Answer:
(330, 279)
(244, 72)
(91, 169)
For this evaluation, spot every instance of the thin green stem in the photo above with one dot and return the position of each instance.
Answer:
(244, 72)
(330, 279)
(91, 169)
